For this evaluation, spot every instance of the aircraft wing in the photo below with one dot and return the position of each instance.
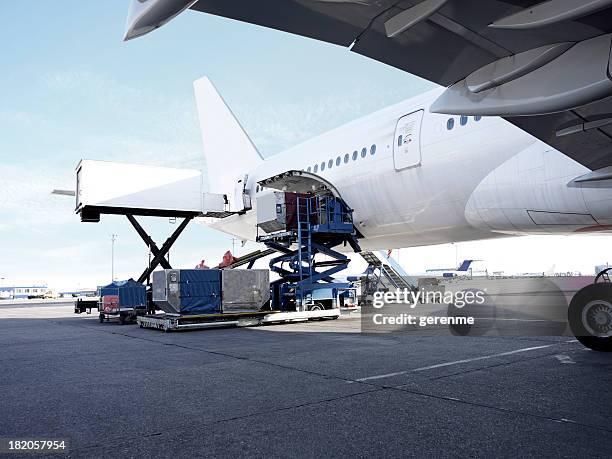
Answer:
(543, 66)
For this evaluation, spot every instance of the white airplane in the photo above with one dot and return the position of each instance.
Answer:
(443, 167)
(413, 177)
(463, 268)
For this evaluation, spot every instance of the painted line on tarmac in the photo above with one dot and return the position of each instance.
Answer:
(565, 359)
(456, 362)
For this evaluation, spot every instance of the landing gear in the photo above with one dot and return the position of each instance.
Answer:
(590, 315)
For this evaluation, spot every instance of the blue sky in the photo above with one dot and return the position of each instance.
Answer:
(72, 89)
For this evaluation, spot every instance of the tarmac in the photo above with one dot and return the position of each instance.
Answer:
(316, 389)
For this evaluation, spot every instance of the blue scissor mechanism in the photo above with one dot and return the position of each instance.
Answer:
(312, 226)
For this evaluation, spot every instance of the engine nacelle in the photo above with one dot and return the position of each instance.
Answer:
(533, 192)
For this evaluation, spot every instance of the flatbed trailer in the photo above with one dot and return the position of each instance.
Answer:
(170, 322)
(85, 304)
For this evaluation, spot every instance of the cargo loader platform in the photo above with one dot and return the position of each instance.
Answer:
(174, 322)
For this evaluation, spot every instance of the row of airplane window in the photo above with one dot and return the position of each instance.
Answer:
(339, 160)
(450, 124)
(329, 164)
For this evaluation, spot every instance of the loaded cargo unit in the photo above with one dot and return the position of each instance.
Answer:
(200, 306)
(123, 300)
(201, 298)
(207, 298)
(211, 291)
(278, 211)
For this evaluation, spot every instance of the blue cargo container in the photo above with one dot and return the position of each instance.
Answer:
(122, 300)
(131, 294)
(200, 291)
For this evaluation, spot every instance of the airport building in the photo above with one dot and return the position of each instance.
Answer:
(23, 292)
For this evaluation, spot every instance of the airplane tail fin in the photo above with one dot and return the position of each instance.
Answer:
(465, 265)
(228, 149)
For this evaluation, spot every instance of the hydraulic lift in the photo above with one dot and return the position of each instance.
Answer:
(159, 255)
(322, 222)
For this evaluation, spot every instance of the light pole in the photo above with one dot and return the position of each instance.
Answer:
(113, 239)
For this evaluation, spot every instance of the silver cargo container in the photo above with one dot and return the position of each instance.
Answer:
(271, 212)
(244, 289)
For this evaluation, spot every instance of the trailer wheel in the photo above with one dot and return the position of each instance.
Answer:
(122, 319)
(590, 316)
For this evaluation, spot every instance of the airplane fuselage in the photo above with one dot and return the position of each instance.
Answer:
(417, 178)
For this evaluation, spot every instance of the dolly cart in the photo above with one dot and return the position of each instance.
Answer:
(123, 300)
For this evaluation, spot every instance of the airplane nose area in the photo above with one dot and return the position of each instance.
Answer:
(147, 15)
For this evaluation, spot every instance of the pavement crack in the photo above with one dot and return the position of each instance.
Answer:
(497, 408)
(206, 425)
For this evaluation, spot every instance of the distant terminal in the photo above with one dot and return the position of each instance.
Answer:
(31, 291)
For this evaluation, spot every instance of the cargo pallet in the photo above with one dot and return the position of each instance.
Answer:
(171, 322)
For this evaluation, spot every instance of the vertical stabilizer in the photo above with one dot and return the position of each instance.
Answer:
(228, 149)
(465, 265)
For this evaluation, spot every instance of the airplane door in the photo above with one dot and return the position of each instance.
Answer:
(242, 200)
(407, 143)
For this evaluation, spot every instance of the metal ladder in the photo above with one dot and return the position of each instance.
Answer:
(386, 270)
(317, 231)
(303, 211)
